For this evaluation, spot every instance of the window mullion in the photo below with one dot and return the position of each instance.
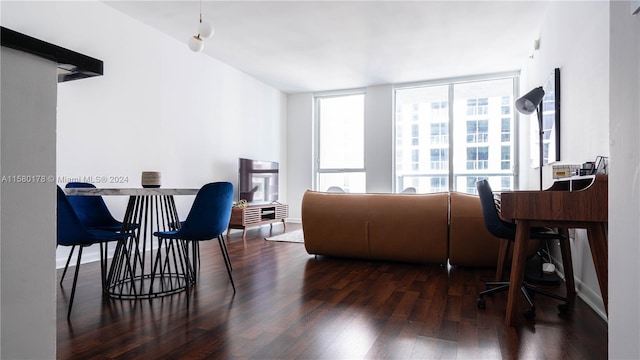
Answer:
(451, 132)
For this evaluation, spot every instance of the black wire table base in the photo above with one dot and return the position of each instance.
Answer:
(144, 266)
(129, 289)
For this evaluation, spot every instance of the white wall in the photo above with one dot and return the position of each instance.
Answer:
(27, 220)
(158, 106)
(300, 153)
(574, 37)
(379, 130)
(624, 184)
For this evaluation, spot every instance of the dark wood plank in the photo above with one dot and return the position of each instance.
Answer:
(293, 305)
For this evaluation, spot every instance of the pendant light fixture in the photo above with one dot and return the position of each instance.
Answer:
(205, 31)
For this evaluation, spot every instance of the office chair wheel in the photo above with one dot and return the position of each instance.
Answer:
(480, 303)
(563, 308)
(530, 314)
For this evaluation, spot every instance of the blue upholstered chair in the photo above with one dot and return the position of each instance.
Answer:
(71, 232)
(91, 210)
(93, 214)
(507, 232)
(208, 219)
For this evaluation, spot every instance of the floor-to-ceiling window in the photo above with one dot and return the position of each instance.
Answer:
(339, 139)
(451, 134)
(422, 159)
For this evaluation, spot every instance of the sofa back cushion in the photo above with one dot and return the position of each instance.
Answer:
(396, 227)
(408, 227)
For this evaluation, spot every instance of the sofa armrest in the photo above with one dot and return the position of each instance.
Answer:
(334, 224)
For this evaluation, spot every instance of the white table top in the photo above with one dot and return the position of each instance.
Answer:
(129, 191)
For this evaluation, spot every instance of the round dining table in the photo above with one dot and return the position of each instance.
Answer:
(145, 266)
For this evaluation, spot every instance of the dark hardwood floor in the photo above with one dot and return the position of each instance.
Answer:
(292, 305)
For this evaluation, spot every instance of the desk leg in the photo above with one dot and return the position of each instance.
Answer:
(517, 269)
(567, 263)
(597, 237)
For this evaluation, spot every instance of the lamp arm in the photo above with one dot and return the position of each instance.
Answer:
(540, 143)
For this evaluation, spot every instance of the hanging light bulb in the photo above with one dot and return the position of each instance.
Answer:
(195, 43)
(205, 28)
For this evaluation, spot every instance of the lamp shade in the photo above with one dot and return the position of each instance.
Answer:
(528, 103)
(196, 44)
(205, 29)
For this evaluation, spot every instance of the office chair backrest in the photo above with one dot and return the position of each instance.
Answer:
(496, 226)
(91, 210)
(210, 213)
(70, 230)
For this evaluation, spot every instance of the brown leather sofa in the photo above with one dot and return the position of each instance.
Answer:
(416, 228)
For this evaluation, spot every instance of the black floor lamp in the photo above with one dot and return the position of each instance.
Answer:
(527, 104)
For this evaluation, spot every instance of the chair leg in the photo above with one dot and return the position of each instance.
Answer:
(187, 274)
(75, 281)
(103, 266)
(197, 251)
(545, 293)
(66, 266)
(527, 291)
(499, 286)
(226, 252)
(195, 255)
(227, 262)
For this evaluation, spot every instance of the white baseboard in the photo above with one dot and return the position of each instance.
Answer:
(587, 294)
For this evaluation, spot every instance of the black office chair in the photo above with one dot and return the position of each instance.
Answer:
(505, 230)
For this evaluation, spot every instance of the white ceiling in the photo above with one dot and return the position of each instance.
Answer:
(300, 46)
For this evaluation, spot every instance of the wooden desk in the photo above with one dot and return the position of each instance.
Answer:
(580, 203)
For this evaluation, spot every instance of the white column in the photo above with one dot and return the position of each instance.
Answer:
(27, 206)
